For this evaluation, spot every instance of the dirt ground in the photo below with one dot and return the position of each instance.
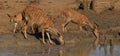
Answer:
(108, 23)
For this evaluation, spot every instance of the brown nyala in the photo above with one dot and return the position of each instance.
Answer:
(71, 15)
(34, 15)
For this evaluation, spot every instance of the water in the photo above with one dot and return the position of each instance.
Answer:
(106, 51)
(77, 49)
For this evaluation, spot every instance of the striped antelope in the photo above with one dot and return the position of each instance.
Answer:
(34, 15)
(79, 19)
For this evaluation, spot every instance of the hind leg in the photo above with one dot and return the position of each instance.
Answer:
(49, 38)
(64, 24)
(60, 37)
(80, 25)
(55, 31)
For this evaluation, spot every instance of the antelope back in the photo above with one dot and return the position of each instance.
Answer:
(37, 16)
(33, 12)
(75, 16)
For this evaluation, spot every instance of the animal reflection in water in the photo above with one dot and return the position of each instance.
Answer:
(99, 46)
(86, 51)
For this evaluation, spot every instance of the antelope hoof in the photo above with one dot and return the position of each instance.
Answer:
(44, 42)
(64, 30)
(61, 40)
(14, 31)
(25, 37)
(52, 43)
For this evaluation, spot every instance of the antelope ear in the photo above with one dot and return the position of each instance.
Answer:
(8, 15)
(14, 15)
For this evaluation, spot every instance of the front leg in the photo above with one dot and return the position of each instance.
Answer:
(61, 39)
(43, 37)
(15, 27)
(63, 27)
(24, 32)
(80, 27)
(33, 31)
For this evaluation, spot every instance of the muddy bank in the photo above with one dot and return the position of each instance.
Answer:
(18, 46)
